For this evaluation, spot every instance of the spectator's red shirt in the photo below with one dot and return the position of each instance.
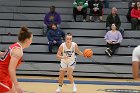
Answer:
(135, 13)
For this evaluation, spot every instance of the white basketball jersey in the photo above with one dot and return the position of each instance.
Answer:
(70, 53)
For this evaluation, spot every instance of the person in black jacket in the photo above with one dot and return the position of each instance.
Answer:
(96, 7)
(114, 18)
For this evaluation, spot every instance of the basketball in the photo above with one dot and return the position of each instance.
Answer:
(88, 53)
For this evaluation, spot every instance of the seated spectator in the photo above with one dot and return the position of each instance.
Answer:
(131, 5)
(80, 8)
(95, 9)
(113, 39)
(135, 17)
(55, 37)
(51, 17)
(114, 18)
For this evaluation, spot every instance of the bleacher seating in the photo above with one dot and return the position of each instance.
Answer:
(37, 59)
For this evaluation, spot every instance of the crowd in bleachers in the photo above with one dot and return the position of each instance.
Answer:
(95, 12)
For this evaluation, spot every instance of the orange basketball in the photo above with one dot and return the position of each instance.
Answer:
(88, 53)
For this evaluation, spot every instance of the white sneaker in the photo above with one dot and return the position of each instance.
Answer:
(59, 89)
(74, 89)
(108, 52)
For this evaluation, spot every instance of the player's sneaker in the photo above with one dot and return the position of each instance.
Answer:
(59, 89)
(74, 89)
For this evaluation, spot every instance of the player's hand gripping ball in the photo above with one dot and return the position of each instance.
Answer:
(88, 53)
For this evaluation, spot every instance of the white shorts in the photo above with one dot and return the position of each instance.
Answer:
(136, 54)
(64, 65)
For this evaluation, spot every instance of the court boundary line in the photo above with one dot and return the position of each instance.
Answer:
(131, 83)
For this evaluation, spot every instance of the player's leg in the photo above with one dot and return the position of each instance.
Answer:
(61, 76)
(60, 80)
(70, 75)
(135, 69)
(71, 78)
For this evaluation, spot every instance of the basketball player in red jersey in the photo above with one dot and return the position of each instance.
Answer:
(9, 61)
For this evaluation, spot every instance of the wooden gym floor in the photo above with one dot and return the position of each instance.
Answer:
(41, 84)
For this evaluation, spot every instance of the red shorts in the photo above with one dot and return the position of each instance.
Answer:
(5, 82)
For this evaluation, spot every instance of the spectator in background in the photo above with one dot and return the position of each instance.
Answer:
(51, 17)
(114, 18)
(96, 7)
(131, 5)
(113, 39)
(135, 17)
(55, 37)
(80, 8)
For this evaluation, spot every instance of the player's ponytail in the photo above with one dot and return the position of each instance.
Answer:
(24, 34)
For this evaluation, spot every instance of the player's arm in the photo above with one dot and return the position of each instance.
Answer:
(77, 50)
(135, 63)
(135, 55)
(59, 52)
(16, 54)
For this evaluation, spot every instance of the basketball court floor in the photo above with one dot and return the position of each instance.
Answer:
(42, 84)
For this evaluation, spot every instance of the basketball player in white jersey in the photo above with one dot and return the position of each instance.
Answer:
(136, 62)
(66, 54)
